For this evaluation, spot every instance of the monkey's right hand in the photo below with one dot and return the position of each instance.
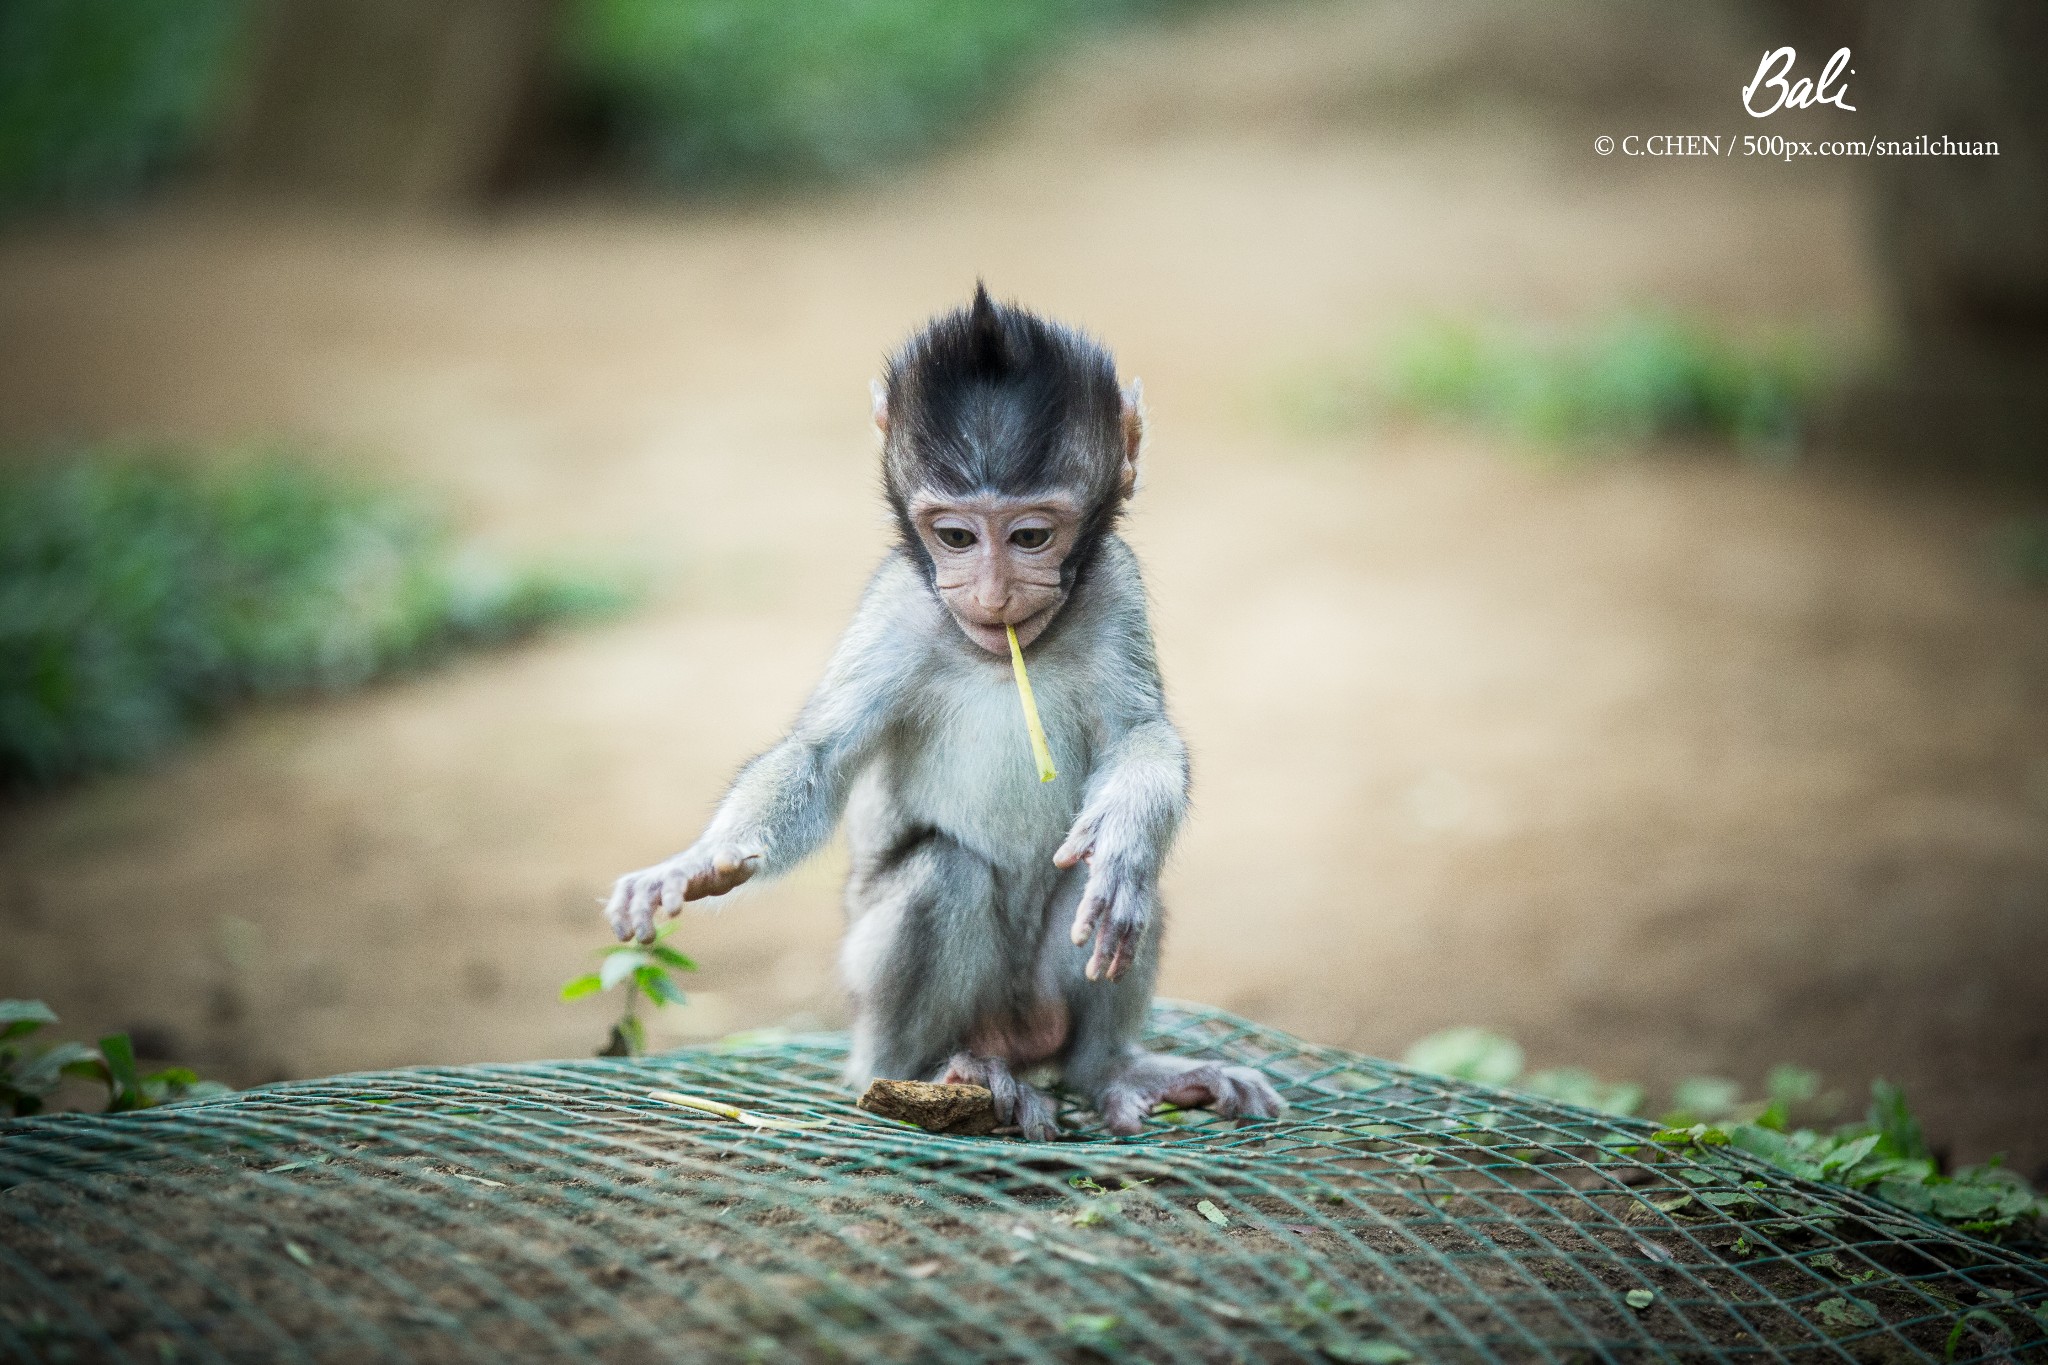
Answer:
(693, 874)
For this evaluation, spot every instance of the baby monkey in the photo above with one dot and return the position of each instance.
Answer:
(997, 926)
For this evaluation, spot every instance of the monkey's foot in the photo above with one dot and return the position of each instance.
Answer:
(1026, 1106)
(1153, 1078)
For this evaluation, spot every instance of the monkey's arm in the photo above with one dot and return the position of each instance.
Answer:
(785, 802)
(1132, 809)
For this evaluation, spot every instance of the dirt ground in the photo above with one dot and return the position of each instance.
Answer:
(1662, 765)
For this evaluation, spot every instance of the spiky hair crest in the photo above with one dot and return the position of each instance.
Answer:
(992, 398)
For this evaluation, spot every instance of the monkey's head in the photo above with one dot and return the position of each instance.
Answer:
(1008, 451)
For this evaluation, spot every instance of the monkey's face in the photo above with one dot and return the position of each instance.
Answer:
(997, 561)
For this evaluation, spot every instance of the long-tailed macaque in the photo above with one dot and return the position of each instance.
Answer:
(998, 926)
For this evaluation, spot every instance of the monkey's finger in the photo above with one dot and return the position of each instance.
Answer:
(1122, 948)
(675, 886)
(615, 908)
(1104, 952)
(1126, 950)
(1118, 944)
(641, 907)
(1086, 916)
(1080, 844)
(1102, 963)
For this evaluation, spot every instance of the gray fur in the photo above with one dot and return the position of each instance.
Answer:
(958, 920)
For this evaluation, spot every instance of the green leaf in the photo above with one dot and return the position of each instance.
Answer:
(124, 1087)
(578, 987)
(1788, 1085)
(1842, 1314)
(1468, 1054)
(1775, 1147)
(1957, 1200)
(662, 991)
(1208, 1210)
(1842, 1158)
(1955, 1335)
(1364, 1352)
(199, 1092)
(1639, 1299)
(1095, 1332)
(1575, 1085)
(21, 1017)
(673, 958)
(620, 965)
(1895, 1123)
(1912, 1195)
(153, 1088)
(39, 1075)
(1706, 1098)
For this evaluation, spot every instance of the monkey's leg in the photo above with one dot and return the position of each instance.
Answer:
(1150, 1078)
(1125, 1081)
(1018, 1102)
(932, 962)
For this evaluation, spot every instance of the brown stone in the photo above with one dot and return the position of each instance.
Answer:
(965, 1109)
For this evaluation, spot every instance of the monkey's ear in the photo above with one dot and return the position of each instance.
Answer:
(880, 393)
(1134, 433)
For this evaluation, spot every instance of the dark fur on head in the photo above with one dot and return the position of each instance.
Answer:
(992, 398)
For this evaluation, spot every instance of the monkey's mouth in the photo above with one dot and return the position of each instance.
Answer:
(996, 640)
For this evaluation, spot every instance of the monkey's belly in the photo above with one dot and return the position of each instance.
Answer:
(972, 776)
(1039, 1037)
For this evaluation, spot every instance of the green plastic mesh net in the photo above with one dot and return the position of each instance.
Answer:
(557, 1210)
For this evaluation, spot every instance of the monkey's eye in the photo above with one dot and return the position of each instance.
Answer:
(954, 537)
(1031, 537)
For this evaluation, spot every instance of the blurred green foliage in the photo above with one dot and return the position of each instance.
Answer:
(711, 93)
(97, 97)
(30, 1074)
(1636, 378)
(141, 596)
(1886, 1154)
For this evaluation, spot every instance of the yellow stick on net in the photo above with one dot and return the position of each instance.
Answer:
(1039, 751)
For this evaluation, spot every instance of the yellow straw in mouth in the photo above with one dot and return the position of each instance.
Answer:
(1039, 751)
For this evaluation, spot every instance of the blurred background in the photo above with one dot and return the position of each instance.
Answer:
(1606, 596)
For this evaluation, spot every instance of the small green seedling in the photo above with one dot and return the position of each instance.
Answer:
(644, 971)
(28, 1076)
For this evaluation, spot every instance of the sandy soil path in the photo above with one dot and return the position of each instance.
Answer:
(1663, 766)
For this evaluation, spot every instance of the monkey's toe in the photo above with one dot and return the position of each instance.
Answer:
(991, 1074)
(1124, 1108)
(1037, 1116)
(1244, 1093)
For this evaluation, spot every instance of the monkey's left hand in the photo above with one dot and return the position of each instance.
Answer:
(694, 873)
(1116, 902)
